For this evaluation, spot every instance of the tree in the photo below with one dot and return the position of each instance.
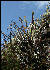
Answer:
(27, 49)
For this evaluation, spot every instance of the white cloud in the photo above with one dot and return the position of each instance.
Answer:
(40, 4)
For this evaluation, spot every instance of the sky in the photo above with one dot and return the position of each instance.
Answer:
(12, 10)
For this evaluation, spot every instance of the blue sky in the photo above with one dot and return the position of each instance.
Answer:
(12, 10)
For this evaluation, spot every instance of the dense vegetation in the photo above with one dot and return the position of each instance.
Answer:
(26, 48)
